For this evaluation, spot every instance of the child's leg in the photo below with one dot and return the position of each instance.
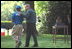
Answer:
(18, 41)
(17, 34)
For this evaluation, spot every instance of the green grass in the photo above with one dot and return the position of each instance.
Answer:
(44, 41)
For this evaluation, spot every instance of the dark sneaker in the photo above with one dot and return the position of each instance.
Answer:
(19, 44)
(16, 46)
(35, 46)
(26, 46)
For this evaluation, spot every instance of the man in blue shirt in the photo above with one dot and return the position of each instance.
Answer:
(17, 20)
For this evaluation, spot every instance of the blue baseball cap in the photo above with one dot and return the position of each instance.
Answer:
(18, 7)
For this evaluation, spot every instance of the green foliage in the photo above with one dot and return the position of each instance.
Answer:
(48, 11)
(58, 9)
(41, 7)
(7, 8)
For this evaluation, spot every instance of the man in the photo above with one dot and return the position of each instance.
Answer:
(59, 21)
(31, 25)
(17, 20)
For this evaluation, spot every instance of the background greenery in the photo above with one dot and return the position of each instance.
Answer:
(46, 11)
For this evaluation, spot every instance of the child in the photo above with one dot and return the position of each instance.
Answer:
(17, 20)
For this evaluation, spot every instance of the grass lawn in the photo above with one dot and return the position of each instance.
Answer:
(44, 41)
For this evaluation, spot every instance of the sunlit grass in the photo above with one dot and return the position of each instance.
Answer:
(44, 41)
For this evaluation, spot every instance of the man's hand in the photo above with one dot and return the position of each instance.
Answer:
(19, 14)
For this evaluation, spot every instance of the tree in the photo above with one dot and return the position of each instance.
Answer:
(7, 8)
(41, 8)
